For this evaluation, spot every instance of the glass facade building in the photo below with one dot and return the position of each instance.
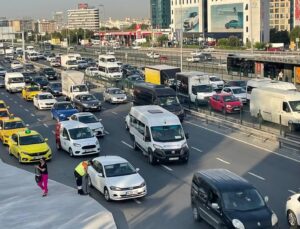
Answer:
(160, 13)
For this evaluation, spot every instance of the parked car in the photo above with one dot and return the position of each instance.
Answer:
(91, 121)
(62, 111)
(55, 88)
(238, 92)
(92, 71)
(114, 95)
(87, 102)
(292, 211)
(50, 73)
(44, 100)
(226, 103)
(116, 178)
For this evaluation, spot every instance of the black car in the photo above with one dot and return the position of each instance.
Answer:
(90, 61)
(87, 102)
(28, 76)
(226, 200)
(50, 73)
(28, 67)
(54, 88)
(41, 81)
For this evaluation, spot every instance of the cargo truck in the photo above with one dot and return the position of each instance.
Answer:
(73, 84)
(161, 74)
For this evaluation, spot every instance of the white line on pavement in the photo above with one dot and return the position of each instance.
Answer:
(106, 132)
(15, 102)
(125, 143)
(226, 162)
(167, 168)
(21, 105)
(53, 132)
(291, 191)
(199, 150)
(39, 120)
(32, 115)
(137, 201)
(236, 139)
(114, 112)
(259, 177)
(10, 99)
(45, 125)
(26, 110)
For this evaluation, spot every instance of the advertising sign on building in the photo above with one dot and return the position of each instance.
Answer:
(227, 18)
(187, 18)
(297, 12)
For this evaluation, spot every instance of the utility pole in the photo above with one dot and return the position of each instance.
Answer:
(181, 38)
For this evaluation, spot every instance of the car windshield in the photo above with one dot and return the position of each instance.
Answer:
(202, 88)
(72, 62)
(80, 133)
(295, 105)
(80, 88)
(171, 133)
(16, 80)
(113, 70)
(88, 119)
(2, 105)
(32, 139)
(64, 106)
(230, 98)
(242, 200)
(238, 91)
(238, 83)
(214, 79)
(46, 96)
(56, 85)
(120, 169)
(49, 70)
(88, 98)
(168, 101)
(4, 114)
(40, 80)
(111, 60)
(116, 91)
(13, 125)
(33, 89)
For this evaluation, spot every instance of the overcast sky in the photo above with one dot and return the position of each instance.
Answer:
(45, 8)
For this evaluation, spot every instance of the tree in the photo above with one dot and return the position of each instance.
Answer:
(295, 33)
(234, 41)
(162, 39)
(223, 42)
(260, 46)
(279, 36)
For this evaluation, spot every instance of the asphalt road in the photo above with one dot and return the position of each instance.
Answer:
(167, 204)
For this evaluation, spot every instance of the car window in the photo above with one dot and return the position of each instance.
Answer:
(15, 138)
(65, 134)
(97, 166)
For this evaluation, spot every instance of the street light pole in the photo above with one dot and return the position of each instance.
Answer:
(181, 37)
(101, 5)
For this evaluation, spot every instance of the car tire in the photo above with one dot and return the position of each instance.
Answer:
(292, 219)
(135, 147)
(196, 215)
(106, 194)
(151, 158)
(71, 152)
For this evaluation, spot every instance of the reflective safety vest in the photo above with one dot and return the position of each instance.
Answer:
(81, 168)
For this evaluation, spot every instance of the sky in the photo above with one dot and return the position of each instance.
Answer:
(39, 9)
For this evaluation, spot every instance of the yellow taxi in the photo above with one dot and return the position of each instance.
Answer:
(29, 92)
(10, 126)
(4, 114)
(29, 146)
(3, 105)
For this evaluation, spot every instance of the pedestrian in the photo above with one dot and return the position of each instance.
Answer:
(280, 76)
(79, 173)
(43, 169)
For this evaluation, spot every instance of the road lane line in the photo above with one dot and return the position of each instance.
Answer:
(26, 110)
(32, 115)
(199, 150)
(125, 143)
(167, 168)
(39, 120)
(114, 112)
(53, 132)
(137, 201)
(10, 99)
(21, 105)
(259, 177)
(291, 191)
(45, 125)
(247, 143)
(15, 102)
(106, 132)
(226, 162)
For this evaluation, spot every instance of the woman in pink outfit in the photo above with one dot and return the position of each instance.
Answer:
(42, 167)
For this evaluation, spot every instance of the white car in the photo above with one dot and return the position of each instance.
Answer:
(196, 53)
(153, 55)
(238, 92)
(209, 49)
(50, 58)
(110, 53)
(55, 63)
(293, 210)
(92, 71)
(16, 64)
(91, 121)
(216, 82)
(114, 95)
(116, 178)
(193, 59)
(44, 100)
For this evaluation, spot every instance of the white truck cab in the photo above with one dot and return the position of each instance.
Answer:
(14, 81)
(110, 70)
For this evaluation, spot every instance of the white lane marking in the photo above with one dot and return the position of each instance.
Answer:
(199, 150)
(259, 177)
(167, 168)
(32, 115)
(106, 132)
(45, 125)
(291, 191)
(21, 105)
(114, 112)
(137, 201)
(10, 99)
(16, 102)
(53, 132)
(26, 110)
(220, 159)
(247, 143)
(125, 143)
(39, 120)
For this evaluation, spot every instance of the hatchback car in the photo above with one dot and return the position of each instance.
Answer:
(293, 211)
(114, 95)
(62, 111)
(55, 88)
(29, 92)
(238, 92)
(226, 103)
(116, 178)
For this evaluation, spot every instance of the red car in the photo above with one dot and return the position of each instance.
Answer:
(226, 103)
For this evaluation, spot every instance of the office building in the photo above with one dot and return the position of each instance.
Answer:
(160, 13)
(6, 31)
(45, 26)
(59, 19)
(19, 25)
(4, 22)
(84, 17)
(280, 14)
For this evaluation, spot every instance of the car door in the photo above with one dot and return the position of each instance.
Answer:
(99, 176)
(220, 103)
(35, 101)
(14, 145)
(214, 209)
(65, 139)
(214, 102)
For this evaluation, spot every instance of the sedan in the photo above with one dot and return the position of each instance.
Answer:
(41, 81)
(116, 178)
(92, 71)
(114, 95)
(293, 210)
(44, 100)
(50, 73)
(91, 121)
(87, 102)
(55, 63)
(16, 64)
(193, 59)
(62, 111)
(82, 64)
(55, 88)
(238, 92)
(226, 103)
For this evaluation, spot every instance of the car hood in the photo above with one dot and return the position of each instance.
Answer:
(242, 95)
(35, 148)
(48, 101)
(86, 141)
(121, 96)
(92, 102)
(67, 112)
(125, 181)
(259, 218)
(95, 125)
(12, 131)
(235, 103)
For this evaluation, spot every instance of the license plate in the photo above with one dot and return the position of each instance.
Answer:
(94, 107)
(129, 193)
(38, 157)
(89, 150)
(236, 109)
(173, 158)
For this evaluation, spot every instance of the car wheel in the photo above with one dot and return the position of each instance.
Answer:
(135, 147)
(292, 219)
(106, 194)
(71, 152)
(151, 159)
(196, 215)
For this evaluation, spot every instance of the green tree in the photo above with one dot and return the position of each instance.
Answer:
(162, 39)
(234, 41)
(259, 46)
(223, 42)
(295, 33)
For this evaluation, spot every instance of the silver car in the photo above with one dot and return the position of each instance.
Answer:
(114, 95)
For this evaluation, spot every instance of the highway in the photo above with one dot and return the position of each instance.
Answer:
(167, 204)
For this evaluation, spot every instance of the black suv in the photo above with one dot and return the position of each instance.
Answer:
(226, 200)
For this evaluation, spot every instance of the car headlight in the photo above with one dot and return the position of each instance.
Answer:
(113, 98)
(125, 97)
(85, 104)
(228, 106)
(25, 153)
(157, 147)
(142, 185)
(76, 145)
(114, 188)
(238, 224)
(274, 219)
(184, 145)
(61, 115)
(97, 143)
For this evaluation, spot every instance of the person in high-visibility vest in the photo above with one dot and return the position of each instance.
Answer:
(79, 173)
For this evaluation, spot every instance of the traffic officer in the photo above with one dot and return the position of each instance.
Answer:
(79, 173)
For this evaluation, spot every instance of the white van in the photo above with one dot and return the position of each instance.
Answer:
(158, 133)
(76, 138)
(110, 70)
(267, 82)
(14, 82)
(271, 103)
(106, 59)
(69, 61)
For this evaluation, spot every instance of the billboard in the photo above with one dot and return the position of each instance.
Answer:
(227, 18)
(188, 19)
(296, 12)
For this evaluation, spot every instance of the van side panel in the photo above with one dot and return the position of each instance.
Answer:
(152, 76)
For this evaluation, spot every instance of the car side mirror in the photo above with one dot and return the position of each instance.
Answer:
(215, 206)
(27, 125)
(100, 174)
(46, 139)
(187, 136)
(137, 170)
(147, 139)
(65, 138)
(266, 199)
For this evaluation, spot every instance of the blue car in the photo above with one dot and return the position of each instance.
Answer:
(62, 111)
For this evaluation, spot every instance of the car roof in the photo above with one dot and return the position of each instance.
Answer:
(26, 133)
(12, 119)
(223, 180)
(233, 87)
(70, 124)
(80, 114)
(45, 93)
(109, 160)
(113, 88)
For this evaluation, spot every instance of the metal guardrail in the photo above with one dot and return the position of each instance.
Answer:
(289, 139)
